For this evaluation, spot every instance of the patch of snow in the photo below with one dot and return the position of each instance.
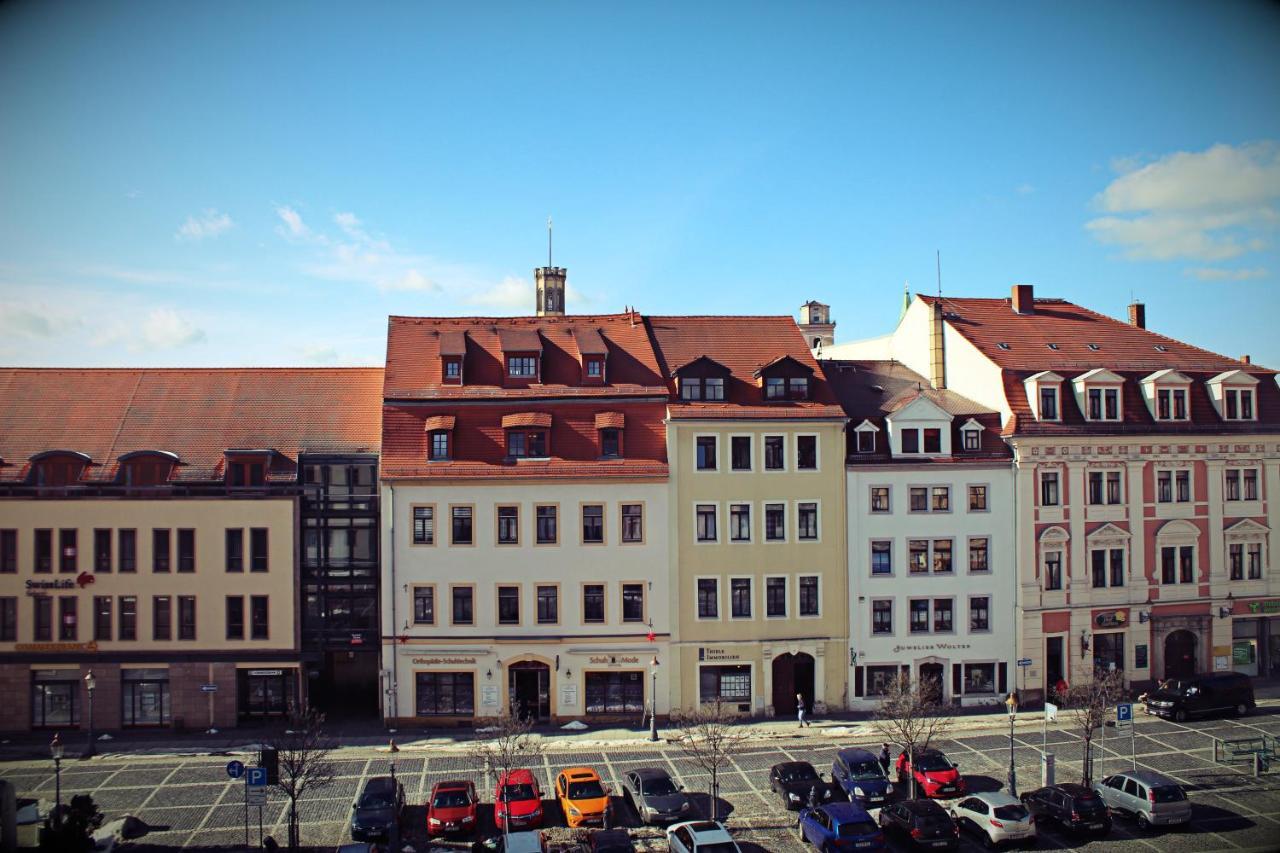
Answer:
(575, 726)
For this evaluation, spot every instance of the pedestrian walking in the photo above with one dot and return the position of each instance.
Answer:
(800, 711)
(884, 758)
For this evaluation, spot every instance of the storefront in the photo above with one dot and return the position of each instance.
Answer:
(144, 698)
(55, 698)
(266, 693)
(1255, 638)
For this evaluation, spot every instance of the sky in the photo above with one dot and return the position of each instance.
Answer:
(243, 183)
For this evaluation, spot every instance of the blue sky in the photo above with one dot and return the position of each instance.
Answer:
(250, 183)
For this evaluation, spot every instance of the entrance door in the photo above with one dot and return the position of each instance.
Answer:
(931, 681)
(792, 674)
(529, 684)
(1180, 654)
(348, 685)
(1053, 663)
(266, 692)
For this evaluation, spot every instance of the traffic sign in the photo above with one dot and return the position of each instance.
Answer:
(208, 688)
(1124, 712)
(1024, 661)
(1050, 711)
(235, 769)
(256, 797)
(257, 777)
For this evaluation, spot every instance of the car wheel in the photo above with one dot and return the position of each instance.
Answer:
(988, 842)
(1242, 709)
(1143, 823)
(1180, 715)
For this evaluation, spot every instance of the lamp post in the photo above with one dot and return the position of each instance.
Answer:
(1012, 780)
(653, 701)
(90, 684)
(393, 836)
(55, 749)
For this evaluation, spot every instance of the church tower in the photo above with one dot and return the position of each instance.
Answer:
(816, 325)
(550, 286)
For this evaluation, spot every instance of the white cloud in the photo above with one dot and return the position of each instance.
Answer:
(160, 329)
(1210, 205)
(211, 223)
(36, 319)
(319, 354)
(1024, 189)
(1219, 274)
(294, 228)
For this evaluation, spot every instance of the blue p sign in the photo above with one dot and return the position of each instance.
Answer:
(1124, 713)
(257, 777)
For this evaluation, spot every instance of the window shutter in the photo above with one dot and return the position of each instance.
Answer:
(1002, 678)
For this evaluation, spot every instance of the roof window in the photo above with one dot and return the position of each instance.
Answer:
(1052, 346)
(1002, 345)
(1161, 348)
(1094, 347)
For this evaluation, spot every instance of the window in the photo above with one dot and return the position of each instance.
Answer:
(1095, 487)
(592, 524)
(259, 552)
(1048, 403)
(444, 694)
(942, 621)
(919, 608)
(1098, 564)
(1239, 404)
(933, 440)
(160, 550)
(690, 389)
(42, 618)
(740, 522)
(919, 499)
(708, 598)
(979, 678)
(1164, 487)
(1053, 570)
(977, 499)
(809, 605)
(1113, 487)
(101, 551)
(972, 439)
(807, 521)
(1250, 482)
(610, 442)
(595, 368)
(774, 453)
(8, 619)
(807, 452)
(128, 617)
(917, 556)
(508, 525)
(424, 525)
(527, 444)
(731, 684)
(439, 444)
(593, 603)
(979, 613)
(186, 550)
(1171, 404)
(68, 553)
(941, 499)
(1177, 564)
(979, 554)
(452, 369)
(235, 549)
(1104, 404)
(1182, 481)
(713, 388)
(775, 525)
(880, 679)
(910, 441)
(632, 522)
(461, 533)
(102, 618)
(882, 617)
(866, 441)
(775, 388)
(161, 618)
(463, 605)
(882, 557)
(632, 602)
(424, 605)
(740, 453)
(43, 552)
(775, 597)
(548, 604)
(522, 366)
(186, 617)
(941, 556)
(1253, 554)
(706, 452)
(614, 692)
(546, 517)
(740, 598)
(8, 551)
(508, 605)
(880, 499)
(1048, 488)
(798, 387)
(1108, 651)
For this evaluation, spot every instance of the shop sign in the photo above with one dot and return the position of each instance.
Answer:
(706, 653)
(459, 661)
(569, 695)
(1272, 606)
(1242, 653)
(90, 646)
(1140, 656)
(1111, 619)
(612, 660)
(266, 672)
(489, 695)
(931, 647)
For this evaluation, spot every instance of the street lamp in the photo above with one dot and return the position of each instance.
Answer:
(90, 684)
(55, 749)
(1012, 781)
(653, 701)
(393, 836)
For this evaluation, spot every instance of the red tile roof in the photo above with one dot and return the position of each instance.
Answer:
(195, 413)
(611, 420)
(438, 422)
(527, 419)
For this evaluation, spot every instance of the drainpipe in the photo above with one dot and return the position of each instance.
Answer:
(394, 686)
(1017, 578)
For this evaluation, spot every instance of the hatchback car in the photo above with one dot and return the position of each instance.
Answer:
(377, 809)
(656, 799)
(452, 808)
(997, 818)
(859, 773)
(1147, 797)
(934, 773)
(839, 827)
(517, 801)
(582, 796)
(700, 836)
(922, 823)
(1073, 806)
(796, 782)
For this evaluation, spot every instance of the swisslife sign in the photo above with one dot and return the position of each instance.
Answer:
(44, 587)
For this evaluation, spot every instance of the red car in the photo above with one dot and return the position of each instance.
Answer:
(935, 775)
(519, 796)
(452, 808)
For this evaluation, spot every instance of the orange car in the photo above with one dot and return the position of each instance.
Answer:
(582, 796)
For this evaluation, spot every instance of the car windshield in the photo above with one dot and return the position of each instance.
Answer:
(376, 800)
(864, 770)
(585, 790)
(1174, 685)
(854, 828)
(450, 800)
(1168, 794)
(799, 773)
(1011, 812)
(658, 787)
(518, 792)
(933, 763)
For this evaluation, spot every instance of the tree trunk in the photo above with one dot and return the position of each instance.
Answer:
(293, 824)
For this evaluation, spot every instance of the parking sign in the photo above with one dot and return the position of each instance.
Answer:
(256, 777)
(1124, 717)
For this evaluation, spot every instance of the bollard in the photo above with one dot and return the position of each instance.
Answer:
(1046, 769)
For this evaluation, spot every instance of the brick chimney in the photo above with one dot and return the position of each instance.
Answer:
(937, 348)
(1246, 359)
(1024, 301)
(1138, 315)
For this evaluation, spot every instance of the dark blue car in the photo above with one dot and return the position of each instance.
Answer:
(840, 827)
(858, 772)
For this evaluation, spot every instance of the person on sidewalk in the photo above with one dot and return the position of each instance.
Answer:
(884, 758)
(800, 711)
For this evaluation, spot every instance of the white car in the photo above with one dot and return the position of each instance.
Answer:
(700, 836)
(997, 817)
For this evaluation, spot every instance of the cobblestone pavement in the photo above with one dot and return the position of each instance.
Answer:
(190, 802)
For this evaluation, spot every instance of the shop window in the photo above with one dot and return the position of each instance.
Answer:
(448, 694)
(979, 678)
(1108, 651)
(614, 692)
(727, 684)
(880, 679)
(144, 698)
(55, 695)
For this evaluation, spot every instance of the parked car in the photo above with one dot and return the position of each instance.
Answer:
(795, 781)
(1215, 693)
(582, 796)
(1146, 796)
(1074, 806)
(377, 809)
(611, 841)
(922, 823)
(859, 773)
(997, 818)
(840, 826)
(513, 842)
(654, 796)
(700, 836)
(935, 774)
(452, 808)
(517, 800)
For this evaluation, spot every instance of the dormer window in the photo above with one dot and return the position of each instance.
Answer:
(1234, 395)
(522, 366)
(147, 467)
(1171, 404)
(713, 388)
(1044, 393)
(595, 368)
(910, 441)
(784, 378)
(866, 437)
(971, 435)
(701, 379)
(1104, 404)
(799, 387)
(610, 442)
(439, 430)
(1239, 404)
(775, 388)
(58, 467)
(1048, 403)
(1098, 393)
(527, 435)
(453, 370)
(247, 473)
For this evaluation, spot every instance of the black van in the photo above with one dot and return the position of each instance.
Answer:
(1180, 698)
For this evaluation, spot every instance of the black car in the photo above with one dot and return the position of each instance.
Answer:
(1200, 695)
(796, 782)
(1074, 806)
(655, 797)
(612, 840)
(922, 823)
(377, 809)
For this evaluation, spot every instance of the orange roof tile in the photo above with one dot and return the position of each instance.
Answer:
(611, 420)
(526, 419)
(438, 422)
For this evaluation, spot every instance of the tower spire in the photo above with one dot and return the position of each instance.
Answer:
(906, 300)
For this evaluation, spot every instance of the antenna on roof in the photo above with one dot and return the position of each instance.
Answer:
(548, 241)
(939, 253)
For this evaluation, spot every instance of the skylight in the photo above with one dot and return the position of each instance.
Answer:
(1052, 346)
(1094, 347)
(1161, 348)
(1003, 345)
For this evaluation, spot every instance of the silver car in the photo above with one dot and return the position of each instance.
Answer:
(996, 817)
(1149, 798)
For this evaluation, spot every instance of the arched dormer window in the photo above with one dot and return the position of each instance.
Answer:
(439, 431)
(147, 467)
(58, 468)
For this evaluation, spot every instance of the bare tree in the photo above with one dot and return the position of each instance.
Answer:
(911, 716)
(506, 744)
(710, 736)
(1089, 702)
(303, 751)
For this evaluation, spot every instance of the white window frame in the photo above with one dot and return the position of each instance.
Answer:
(786, 597)
(715, 507)
(697, 599)
(751, 598)
(764, 521)
(817, 452)
(716, 438)
(800, 615)
(817, 504)
(751, 522)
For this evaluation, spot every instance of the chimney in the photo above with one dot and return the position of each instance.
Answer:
(937, 348)
(1246, 359)
(549, 283)
(1138, 315)
(1024, 299)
